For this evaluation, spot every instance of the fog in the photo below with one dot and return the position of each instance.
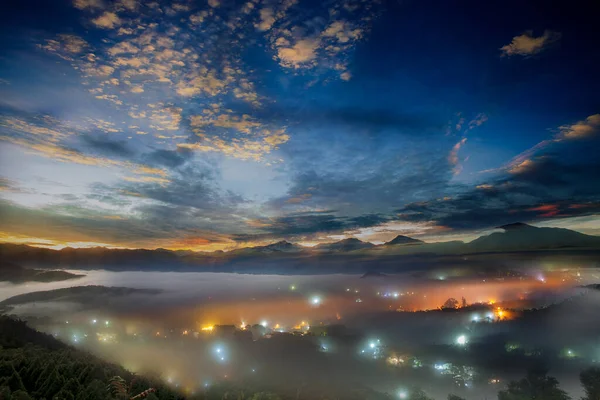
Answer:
(497, 336)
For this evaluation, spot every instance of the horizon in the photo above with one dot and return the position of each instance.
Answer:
(301, 244)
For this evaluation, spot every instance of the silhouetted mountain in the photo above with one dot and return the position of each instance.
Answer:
(373, 274)
(344, 245)
(281, 246)
(87, 295)
(86, 257)
(514, 226)
(400, 239)
(326, 257)
(16, 274)
(278, 247)
(519, 237)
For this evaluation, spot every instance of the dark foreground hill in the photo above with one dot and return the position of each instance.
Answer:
(35, 365)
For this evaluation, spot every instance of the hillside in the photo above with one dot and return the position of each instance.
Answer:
(520, 237)
(80, 294)
(36, 365)
(16, 274)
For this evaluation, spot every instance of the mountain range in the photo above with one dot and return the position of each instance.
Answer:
(516, 237)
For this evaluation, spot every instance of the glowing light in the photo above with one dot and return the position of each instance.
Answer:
(461, 340)
(243, 325)
(208, 328)
(185, 332)
(264, 324)
(106, 323)
(292, 287)
(403, 394)
(395, 294)
(94, 321)
(218, 350)
(315, 300)
(475, 318)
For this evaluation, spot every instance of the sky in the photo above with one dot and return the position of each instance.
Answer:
(219, 124)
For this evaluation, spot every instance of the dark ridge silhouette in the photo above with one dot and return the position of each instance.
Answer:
(400, 239)
(13, 273)
(350, 244)
(519, 236)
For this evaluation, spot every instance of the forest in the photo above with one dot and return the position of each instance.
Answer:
(35, 365)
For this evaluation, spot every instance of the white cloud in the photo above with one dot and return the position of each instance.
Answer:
(526, 44)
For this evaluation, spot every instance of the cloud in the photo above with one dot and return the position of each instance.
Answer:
(107, 146)
(342, 31)
(479, 120)
(108, 20)
(582, 129)
(88, 4)
(453, 156)
(544, 187)
(130, 5)
(527, 44)
(301, 53)
(323, 44)
(586, 129)
(267, 19)
(305, 224)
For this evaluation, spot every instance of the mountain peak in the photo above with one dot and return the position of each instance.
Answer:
(282, 245)
(348, 244)
(514, 226)
(400, 239)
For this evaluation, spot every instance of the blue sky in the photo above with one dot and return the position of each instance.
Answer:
(219, 124)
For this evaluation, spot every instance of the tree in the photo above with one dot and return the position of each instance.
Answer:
(418, 394)
(536, 386)
(96, 390)
(454, 397)
(464, 303)
(451, 303)
(590, 379)
(20, 395)
(265, 396)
